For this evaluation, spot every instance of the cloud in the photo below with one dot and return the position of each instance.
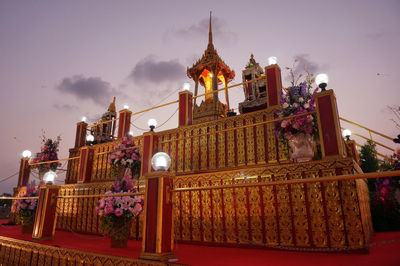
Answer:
(91, 88)
(200, 31)
(150, 70)
(375, 36)
(303, 64)
(65, 107)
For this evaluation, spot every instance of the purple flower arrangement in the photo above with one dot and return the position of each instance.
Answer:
(298, 100)
(123, 157)
(117, 211)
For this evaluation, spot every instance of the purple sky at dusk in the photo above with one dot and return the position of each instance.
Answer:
(60, 60)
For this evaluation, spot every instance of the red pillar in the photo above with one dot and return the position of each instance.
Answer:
(24, 172)
(274, 85)
(185, 108)
(124, 123)
(85, 164)
(150, 140)
(80, 137)
(328, 125)
(352, 151)
(46, 213)
(158, 233)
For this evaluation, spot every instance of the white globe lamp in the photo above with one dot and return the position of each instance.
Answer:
(161, 161)
(26, 154)
(49, 177)
(346, 134)
(152, 123)
(322, 81)
(90, 138)
(272, 60)
(186, 86)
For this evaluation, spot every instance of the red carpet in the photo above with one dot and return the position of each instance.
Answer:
(385, 255)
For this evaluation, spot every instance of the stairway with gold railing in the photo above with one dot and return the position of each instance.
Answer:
(385, 149)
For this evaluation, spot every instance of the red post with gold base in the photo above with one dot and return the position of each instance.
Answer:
(274, 85)
(330, 135)
(80, 137)
(46, 213)
(158, 230)
(24, 171)
(185, 108)
(124, 123)
(150, 140)
(352, 151)
(85, 164)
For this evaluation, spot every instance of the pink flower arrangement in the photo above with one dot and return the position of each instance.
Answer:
(116, 210)
(48, 152)
(123, 157)
(26, 208)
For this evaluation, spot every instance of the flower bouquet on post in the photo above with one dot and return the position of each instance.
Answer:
(116, 213)
(48, 152)
(26, 209)
(298, 132)
(123, 158)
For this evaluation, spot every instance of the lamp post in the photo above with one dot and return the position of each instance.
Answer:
(186, 86)
(158, 232)
(346, 134)
(24, 169)
(49, 177)
(161, 161)
(322, 81)
(89, 139)
(152, 123)
(26, 154)
(272, 60)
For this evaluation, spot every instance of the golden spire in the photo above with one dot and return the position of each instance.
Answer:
(210, 41)
(210, 44)
(111, 107)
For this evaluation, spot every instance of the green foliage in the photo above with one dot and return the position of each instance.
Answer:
(369, 162)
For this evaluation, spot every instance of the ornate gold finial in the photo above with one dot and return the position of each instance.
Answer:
(210, 33)
(111, 107)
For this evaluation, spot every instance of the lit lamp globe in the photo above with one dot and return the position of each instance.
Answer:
(90, 138)
(49, 177)
(152, 123)
(130, 133)
(161, 161)
(186, 86)
(26, 154)
(322, 81)
(346, 134)
(126, 106)
(272, 60)
(84, 119)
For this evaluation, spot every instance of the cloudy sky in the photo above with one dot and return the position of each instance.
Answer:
(60, 60)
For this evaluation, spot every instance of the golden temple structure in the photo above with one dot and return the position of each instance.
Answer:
(210, 71)
(231, 182)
